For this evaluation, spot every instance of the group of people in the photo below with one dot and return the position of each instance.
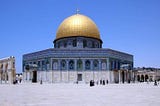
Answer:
(18, 79)
(101, 82)
(156, 83)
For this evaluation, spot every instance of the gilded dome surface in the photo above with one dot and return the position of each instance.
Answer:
(78, 25)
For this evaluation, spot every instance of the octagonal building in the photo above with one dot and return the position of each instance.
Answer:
(77, 56)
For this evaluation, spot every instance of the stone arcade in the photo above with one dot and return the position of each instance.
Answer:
(7, 70)
(77, 56)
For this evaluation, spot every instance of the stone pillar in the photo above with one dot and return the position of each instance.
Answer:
(92, 68)
(75, 64)
(110, 70)
(0, 76)
(107, 64)
(116, 65)
(28, 75)
(51, 62)
(119, 71)
(112, 65)
(99, 70)
(133, 76)
(5, 78)
(100, 65)
(83, 62)
(75, 68)
(91, 65)
(83, 71)
(67, 62)
(59, 64)
(9, 76)
(59, 69)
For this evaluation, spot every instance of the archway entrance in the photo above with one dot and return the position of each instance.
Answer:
(142, 78)
(34, 79)
(123, 75)
(146, 78)
(79, 77)
(138, 78)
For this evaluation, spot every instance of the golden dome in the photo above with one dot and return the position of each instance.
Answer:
(78, 25)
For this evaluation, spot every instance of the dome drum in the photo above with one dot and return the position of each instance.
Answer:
(77, 42)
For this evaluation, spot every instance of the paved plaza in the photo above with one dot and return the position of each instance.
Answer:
(27, 94)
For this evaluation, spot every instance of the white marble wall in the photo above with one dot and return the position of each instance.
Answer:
(57, 76)
(64, 76)
(26, 76)
(87, 76)
(70, 76)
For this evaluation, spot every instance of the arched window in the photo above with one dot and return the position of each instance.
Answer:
(65, 44)
(74, 43)
(146, 78)
(95, 65)
(39, 65)
(70, 43)
(84, 43)
(13, 64)
(79, 65)
(55, 65)
(71, 65)
(27, 67)
(58, 44)
(96, 45)
(63, 65)
(43, 65)
(87, 65)
(47, 64)
(89, 44)
(103, 65)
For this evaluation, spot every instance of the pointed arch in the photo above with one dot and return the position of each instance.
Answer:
(95, 65)
(71, 65)
(55, 65)
(63, 65)
(79, 65)
(87, 65)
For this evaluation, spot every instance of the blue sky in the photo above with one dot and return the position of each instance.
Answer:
(131, 26)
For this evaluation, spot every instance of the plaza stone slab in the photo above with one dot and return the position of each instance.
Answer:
(65, 94)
